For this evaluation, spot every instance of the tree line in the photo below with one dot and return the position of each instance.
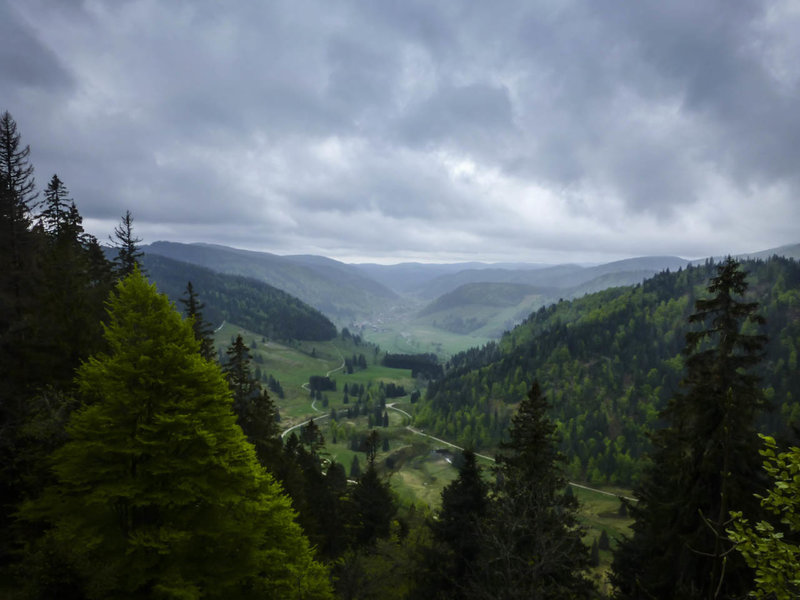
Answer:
(611, 360)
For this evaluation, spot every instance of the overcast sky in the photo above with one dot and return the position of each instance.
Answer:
(401, 130)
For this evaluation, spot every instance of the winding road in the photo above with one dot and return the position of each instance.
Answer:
(314, 402)
(441, 441)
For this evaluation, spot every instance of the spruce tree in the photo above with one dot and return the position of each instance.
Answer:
(705, 462)
(158, 494)
(452, 563)
(202, 329)
(19, 284)
(128, 253)
(374, 507)
(531, 540)
(255, 410)
(55, 214)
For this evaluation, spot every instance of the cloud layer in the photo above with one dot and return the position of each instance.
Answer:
(415, 130)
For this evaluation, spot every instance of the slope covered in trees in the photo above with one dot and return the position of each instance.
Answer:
(340, 291)
(252, 304)
(609, 361)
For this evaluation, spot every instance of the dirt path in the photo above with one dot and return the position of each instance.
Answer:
(314, 402)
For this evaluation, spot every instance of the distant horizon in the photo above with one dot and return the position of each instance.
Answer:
(582, 263)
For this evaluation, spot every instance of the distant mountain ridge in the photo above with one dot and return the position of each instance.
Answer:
(338, 290)
(564, 276)
(366, 292)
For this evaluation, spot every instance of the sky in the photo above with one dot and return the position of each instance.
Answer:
(392, 131)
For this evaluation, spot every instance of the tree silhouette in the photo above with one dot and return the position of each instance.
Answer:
(128, 252)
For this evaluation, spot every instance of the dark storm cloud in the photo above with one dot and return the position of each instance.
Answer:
(25, 62)
(414, 128)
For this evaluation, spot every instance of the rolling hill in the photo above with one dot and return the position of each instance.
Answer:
(338, 290)
(247, 302)
(608, 361)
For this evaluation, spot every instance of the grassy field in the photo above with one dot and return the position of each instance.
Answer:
(413, 338)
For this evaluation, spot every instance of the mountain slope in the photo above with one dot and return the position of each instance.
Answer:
(247, 302)
(608, 362)
(338, 290)
(407, 277)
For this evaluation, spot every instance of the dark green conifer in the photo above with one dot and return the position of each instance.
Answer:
(255, 411)
(202, 329)
(374, 507)
(452, 563)
(705, 463)
(128, 253)
(531, 540)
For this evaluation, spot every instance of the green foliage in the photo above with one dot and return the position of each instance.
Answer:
(771, 548)
(158, 493)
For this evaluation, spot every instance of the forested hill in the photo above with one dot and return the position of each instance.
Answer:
(247, 302)
(608, 362)
(339, 290)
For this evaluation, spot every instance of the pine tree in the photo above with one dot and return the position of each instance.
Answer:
(531, 539)
(374, 507)
(128, 253)
(158, 493)
(20, 281)
(17, 193)
(452, 563)
(255, 410)
(705, 462)
(202, 329)
(355, 468)
(56, 213)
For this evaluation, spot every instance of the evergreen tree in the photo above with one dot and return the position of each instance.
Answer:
(237, 372)
(19, 283)
(128, 253)
(56, 212)
(374, 507)
(202, 329)
(17, 244)
(355, 468)
(531, 539)
(75, 281)
(255, 411)
(705, 462)
(158, 493)
(452, 564)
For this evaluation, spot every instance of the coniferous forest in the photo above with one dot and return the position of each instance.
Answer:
(137, 461)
